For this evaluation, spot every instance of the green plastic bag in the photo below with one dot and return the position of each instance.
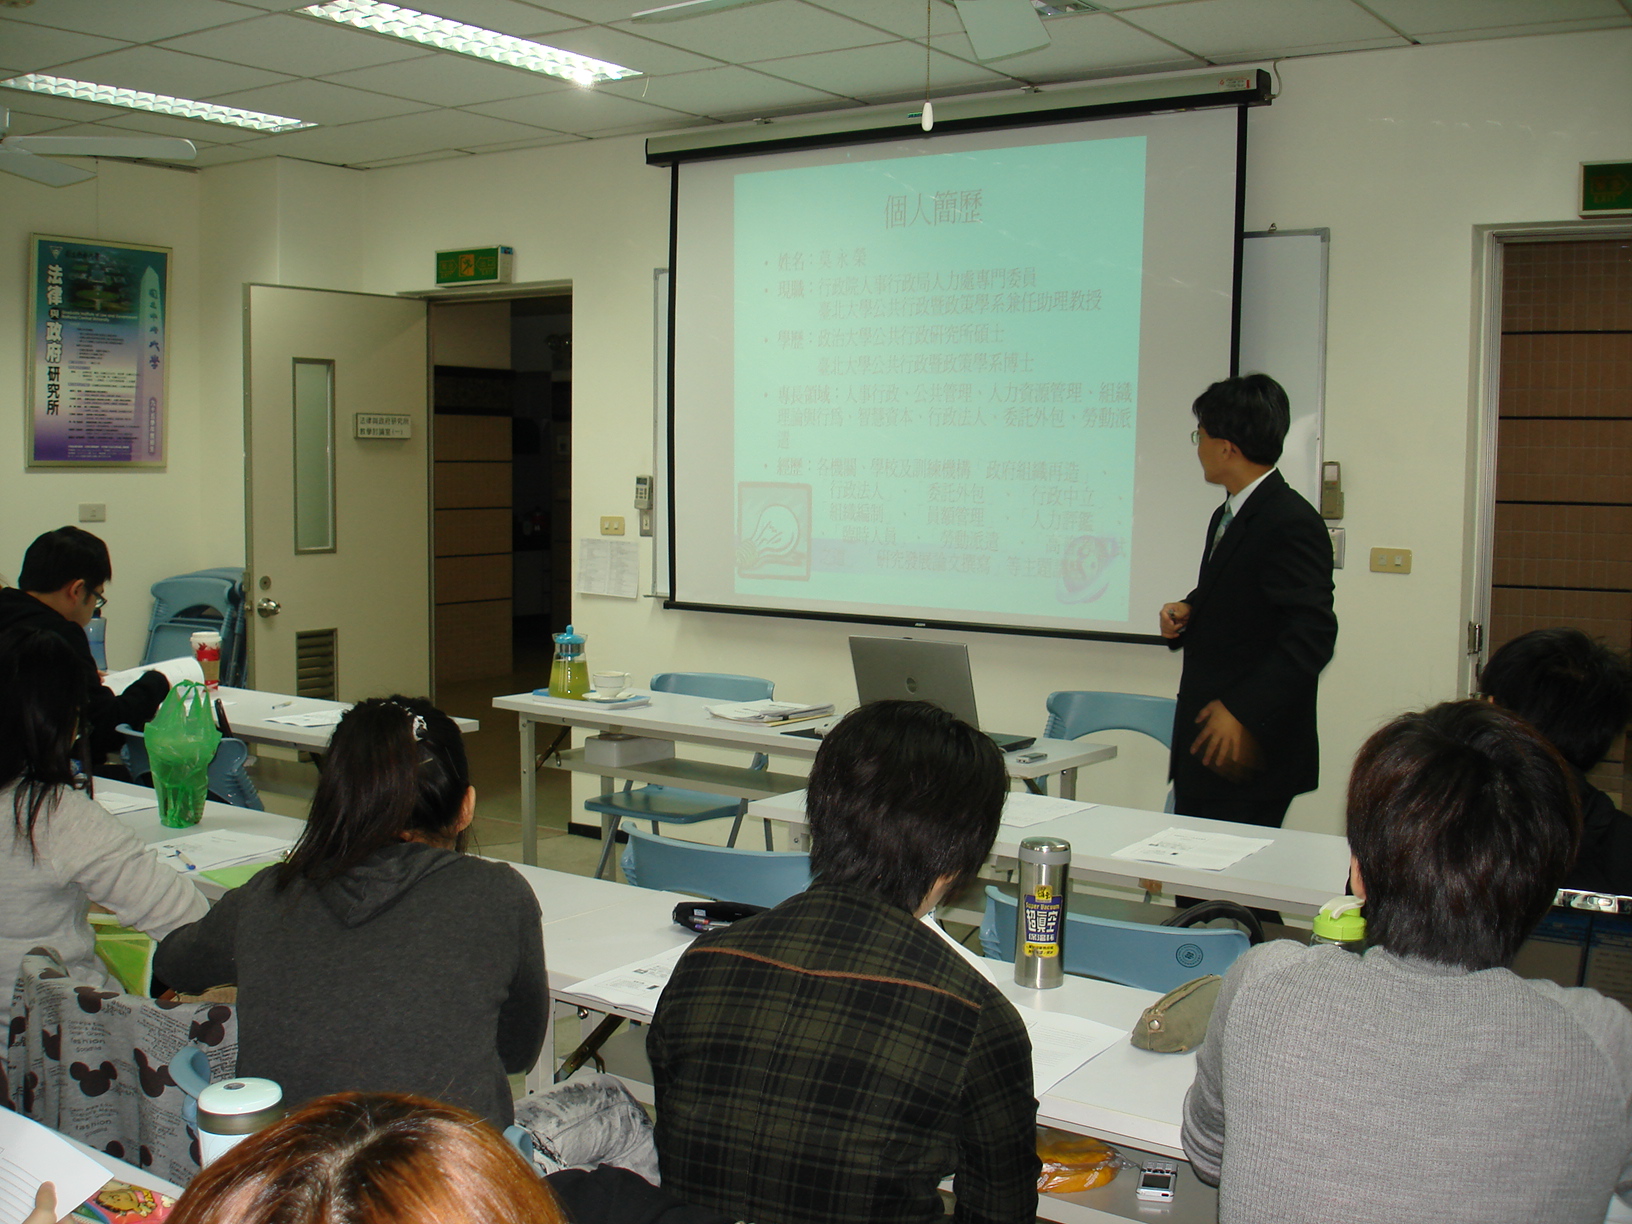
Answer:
(181, 742)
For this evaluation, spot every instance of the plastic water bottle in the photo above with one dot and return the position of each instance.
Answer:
(97, 632)
(232, 1110)
(1039, 926)
(1340, 922)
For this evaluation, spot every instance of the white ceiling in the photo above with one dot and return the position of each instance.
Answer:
(381, 102)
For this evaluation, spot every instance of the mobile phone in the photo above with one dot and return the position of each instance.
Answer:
(1030, 758)
(1156, 1182)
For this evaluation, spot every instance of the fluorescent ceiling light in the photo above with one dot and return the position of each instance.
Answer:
(160, 104)
(439, 32)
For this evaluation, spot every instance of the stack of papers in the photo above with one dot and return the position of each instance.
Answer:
(115, 804)
(1193, 848)
(771, 713)
(184, 667)
(1021, 809)
(216, 848)
(633, 987)
(317, 718)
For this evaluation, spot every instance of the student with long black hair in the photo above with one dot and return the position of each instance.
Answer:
(379, 957)
(60, 849)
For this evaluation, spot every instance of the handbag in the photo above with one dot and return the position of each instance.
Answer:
(1177, 1021)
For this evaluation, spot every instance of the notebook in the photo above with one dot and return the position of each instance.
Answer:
(907, 669)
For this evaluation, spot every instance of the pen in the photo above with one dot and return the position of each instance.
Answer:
(174, 853)
(279, 705)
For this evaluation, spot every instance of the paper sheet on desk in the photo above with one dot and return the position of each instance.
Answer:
(215, 848)
(114, 804)
(634, 986)
(317, 718)
(1194, 849)
(184, 667)
(1060, 1043)
(31, 1154)
(1022, 810)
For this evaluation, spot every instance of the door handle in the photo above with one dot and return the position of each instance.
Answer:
(268, 607)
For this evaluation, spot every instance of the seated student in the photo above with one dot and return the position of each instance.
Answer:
(1578, 693)
(832, 1059)
(60, 587)
(60, 849)
(370, 1159)
(379, 957)
(1423, 1080)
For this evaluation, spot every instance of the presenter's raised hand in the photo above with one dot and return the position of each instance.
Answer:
(1175, 616)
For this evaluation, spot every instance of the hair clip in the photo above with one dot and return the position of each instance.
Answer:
(418, 719)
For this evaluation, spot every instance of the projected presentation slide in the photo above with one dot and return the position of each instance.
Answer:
(922, 387)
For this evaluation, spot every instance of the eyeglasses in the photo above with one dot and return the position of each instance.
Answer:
(1195, 437)
(101, 601)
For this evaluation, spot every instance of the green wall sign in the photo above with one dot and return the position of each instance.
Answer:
(475, 266)
(1606, 188)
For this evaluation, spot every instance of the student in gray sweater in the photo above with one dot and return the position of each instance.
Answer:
(379, 957)
(1424, 1080)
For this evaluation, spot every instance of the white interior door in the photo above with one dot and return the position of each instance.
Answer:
(337, 520)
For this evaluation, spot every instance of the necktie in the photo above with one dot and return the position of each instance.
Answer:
(1223, 526)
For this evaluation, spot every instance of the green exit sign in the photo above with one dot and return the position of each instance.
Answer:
(1606, 188)
(475, 266)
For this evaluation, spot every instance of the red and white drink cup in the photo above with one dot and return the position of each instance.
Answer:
(207, 650)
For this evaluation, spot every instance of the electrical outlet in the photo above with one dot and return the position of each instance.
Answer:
(93, 512)
(611, 524)
(1391, 560)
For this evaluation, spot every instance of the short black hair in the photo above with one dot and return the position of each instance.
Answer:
(1464, 820)
(1572, 688)
(1251, 411)
(63, 556)
(901, 794)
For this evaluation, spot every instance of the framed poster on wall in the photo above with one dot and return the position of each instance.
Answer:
(97, 363)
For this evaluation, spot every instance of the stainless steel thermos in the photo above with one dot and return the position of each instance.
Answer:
(1039, 926)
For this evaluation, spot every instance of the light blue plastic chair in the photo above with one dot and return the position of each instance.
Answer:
(190, 603)
(673, 804)
(1128, 953)
(227, 776)
(753, 877)
(1073, 713)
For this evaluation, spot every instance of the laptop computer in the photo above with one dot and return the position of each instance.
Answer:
(907, 669)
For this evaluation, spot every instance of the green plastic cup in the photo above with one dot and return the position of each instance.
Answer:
(181, 804)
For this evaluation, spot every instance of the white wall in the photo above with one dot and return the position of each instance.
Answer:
(1401, 153)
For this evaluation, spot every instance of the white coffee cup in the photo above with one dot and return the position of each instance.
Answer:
(609, 683)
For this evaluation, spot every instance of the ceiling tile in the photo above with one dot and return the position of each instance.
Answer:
(1217, 30)
(544, 141)
(881, 71)
(449, 80)
(413, 160)
(33, 48)
(168, 72)
(403, 136)
(606, 10)
(1085, 46)
(1523, 31)
(578, 110)
(320, 102)
(174, 125)
(721, 92)
(763, 31)
(678, 123)
(637, 51)
(505, 16)
(18, 123)
(299, 46)
(901, 17)
(1444, 16)
(147, 21)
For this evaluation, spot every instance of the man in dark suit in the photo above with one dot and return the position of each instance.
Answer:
(1258, 628)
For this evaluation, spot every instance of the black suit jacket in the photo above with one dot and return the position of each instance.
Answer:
(1261, 629)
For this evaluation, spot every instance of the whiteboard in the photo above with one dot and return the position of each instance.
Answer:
(1283, 334)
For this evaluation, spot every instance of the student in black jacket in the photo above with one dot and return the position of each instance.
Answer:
(1578, 693)
(59, 590)
(1259, 626)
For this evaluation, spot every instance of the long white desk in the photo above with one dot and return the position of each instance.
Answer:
(686, 720)
(250, 712)
(1298, 872)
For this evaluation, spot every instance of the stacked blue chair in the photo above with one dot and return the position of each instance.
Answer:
(205, 600)
(752, 877)
(229, 780)
(672, 804)
(1128, 953)
(1075, 713)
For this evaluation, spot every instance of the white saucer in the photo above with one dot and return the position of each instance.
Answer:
(621, 695)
